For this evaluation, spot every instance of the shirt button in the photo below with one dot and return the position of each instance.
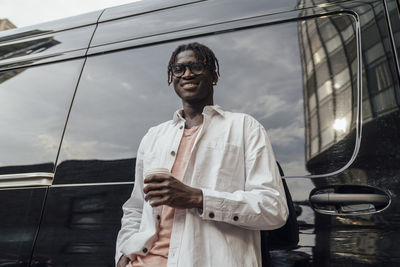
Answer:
(211, 215)
(235, 218)
(173, 153)
(144, 250)
(181, 127)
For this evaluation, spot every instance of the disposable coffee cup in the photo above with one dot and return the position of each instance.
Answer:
(157, 171)
(154, 172)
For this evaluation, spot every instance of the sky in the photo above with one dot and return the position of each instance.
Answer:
(29, 12)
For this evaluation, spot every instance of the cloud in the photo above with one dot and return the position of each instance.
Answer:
(288, 134)
(47, 143)
(303, 187)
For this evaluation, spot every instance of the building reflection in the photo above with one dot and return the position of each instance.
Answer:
(329, 65)
(23, 49)
(27, 47)
(84, 220)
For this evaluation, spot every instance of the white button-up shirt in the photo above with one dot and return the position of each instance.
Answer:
(232, 162)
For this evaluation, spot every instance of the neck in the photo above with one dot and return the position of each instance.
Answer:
(192, 113)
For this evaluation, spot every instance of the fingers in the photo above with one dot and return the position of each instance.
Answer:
(123, 261)
(157, 189)
(159, 182)
(156, 194)
(154, 187)
(166, 190)
(156, 178)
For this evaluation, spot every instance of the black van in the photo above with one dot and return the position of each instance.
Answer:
(78, 94)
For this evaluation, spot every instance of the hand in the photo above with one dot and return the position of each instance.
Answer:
(123, 261)
(164, 189)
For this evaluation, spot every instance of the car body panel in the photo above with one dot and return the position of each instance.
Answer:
(321, 76)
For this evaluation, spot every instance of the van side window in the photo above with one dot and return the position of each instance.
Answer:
(307, 104)
(120, 96)
(34, 104)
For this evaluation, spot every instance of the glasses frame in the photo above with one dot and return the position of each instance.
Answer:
(190, 66)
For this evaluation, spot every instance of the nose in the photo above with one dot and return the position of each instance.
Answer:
(188, 73)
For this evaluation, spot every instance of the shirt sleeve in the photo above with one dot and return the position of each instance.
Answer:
(132, 209)
(262, 204)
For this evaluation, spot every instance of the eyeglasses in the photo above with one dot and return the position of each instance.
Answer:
(179, 69)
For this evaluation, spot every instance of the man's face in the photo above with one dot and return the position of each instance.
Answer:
(191, 87)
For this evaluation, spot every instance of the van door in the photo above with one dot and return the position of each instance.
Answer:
(34, 106)
(35, 96)
(299, 73)
(123, 93)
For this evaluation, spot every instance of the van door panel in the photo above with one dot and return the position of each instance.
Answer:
(115, 105)
(300, 78)
(80, 225)
(20, 213)
(34, 105)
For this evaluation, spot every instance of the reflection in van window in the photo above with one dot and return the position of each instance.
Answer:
(265, 71)
(33, 113)
(330, 91)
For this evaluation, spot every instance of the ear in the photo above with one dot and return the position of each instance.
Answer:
(215, 78)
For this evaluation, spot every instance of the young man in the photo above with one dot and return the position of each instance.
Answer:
(223, 186)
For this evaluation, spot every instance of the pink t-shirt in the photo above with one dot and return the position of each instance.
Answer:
(158, 254)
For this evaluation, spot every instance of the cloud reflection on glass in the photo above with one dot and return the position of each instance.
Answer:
(33, 112)
(261, 74)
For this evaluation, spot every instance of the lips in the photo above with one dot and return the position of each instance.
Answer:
(190, 85)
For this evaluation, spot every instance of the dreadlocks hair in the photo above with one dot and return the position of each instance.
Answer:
(202, 52)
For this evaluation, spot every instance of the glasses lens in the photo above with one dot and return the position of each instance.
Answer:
(178, 70)
(196, 68)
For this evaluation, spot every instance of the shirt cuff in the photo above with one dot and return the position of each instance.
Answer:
(215, 208)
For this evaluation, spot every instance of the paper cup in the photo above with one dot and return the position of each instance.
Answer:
(157, 171)
(153, 172)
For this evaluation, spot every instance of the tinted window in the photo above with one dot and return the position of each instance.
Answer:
(34, 104)
(263, 73)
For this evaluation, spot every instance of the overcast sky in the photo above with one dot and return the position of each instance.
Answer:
(28, 12)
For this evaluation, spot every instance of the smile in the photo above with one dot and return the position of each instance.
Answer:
(189, 85)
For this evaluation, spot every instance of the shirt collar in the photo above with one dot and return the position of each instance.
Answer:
(208, 110)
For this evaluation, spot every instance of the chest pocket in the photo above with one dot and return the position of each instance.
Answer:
(219, 166)
(156, 156)
(151, 161)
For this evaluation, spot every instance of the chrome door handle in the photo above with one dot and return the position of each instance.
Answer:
(26, 179)
(336, 198)
(349, 199)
